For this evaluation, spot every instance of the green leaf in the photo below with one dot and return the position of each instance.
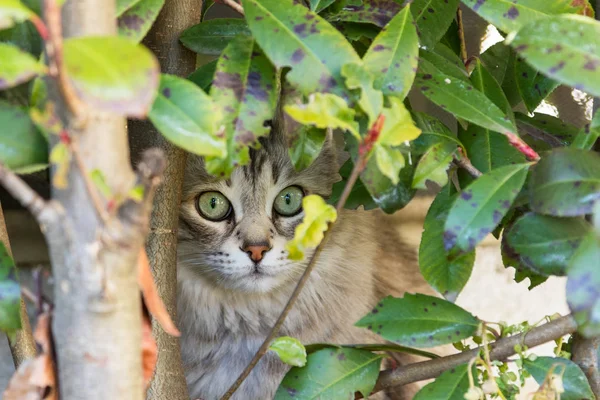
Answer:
(496, 60)
(481, 206)
(420, 321)
(393, 56)
(485, 82)
(583, 281)
(462, 100)
(377, 12)
(325, 110)
(433, 131)
(544, 132)
(332, 373)
(433, 165)
(450, 385)
(570, 56)
(574, 381)
(100, 182)
(389, 161)
(212, 36)
(314, 49)
(319, 5)
(359, 196)
(510, 16)
(17, 66)
(565, 182)
(532, 236)
(289, 350)
(244, 92)
(135, 23)
(10, 293)
(371, 100)
(112, 74)
(124, 5)
(587, 137)
(13, 11)
(306, 147)
(309, 233)
(187, 117)
(433, 18)
(447, 277)
(203, 76)
(431, 62)
(398, 126)
(21, 145)
(533, 86)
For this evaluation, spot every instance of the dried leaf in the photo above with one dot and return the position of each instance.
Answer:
(149, 350)
(151, 297)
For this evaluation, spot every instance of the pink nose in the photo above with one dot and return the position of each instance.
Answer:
(256, 252)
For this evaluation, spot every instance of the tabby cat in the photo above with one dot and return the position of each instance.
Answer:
(234, 276)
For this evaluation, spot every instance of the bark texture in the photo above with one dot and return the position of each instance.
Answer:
(163, 40)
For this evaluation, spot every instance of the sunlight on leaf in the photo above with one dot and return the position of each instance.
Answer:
(371, 100)
(60, 156)
(389, 161)
(17, 66)
(290, 350)
(11, 12)
(309, 233)
(398, 126)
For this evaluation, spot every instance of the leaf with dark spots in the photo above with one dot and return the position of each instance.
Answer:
(447, 277)
(565, 182)
(450, 385)
(588, 135)
(244, 91)
(545, 132)
(21, 145)
(10, 292)
(137, 20)
(567, 66)
(124, 5)
(533, 86)
(187, 118)
(431, 62)
(112, 74)
(392, 57)
(378, 12)
(496, 60)
(319, 5)
(530, 237)
(511, 260)
(466, 225)
(324, 48)
(405, 321)
(332, 373)
(508, 15)
(17, 66)
(212, 36)
(203, 76)
(433, 18)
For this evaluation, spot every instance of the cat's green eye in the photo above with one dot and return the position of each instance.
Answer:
(289, 201)
(213, 206)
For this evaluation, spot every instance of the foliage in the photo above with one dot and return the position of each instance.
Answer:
(350, 65)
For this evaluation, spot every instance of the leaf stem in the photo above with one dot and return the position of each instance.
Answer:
(463, 162)
(359, 166)
(461, 35)
(523, 147)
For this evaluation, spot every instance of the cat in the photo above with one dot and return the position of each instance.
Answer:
(234, 276)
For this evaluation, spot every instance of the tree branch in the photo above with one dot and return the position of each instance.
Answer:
(463, 162)
(233, 4)
(363, 153)
(501, 349)
(585, 354)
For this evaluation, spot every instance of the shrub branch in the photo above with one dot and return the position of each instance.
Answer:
(585, 354)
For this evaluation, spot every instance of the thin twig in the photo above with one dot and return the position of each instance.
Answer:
(461, 36)
(463, 162)
(501, 349)
(54, 52)
(233, 4)
(585, 354)
(359, 166)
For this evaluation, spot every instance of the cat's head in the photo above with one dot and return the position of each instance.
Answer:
(233, 231)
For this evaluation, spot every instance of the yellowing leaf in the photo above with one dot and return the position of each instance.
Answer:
(389, 161)
(289, 350)
(317, 216)
(325, 110)
(371, 100)
(398, 126)
(61, 158)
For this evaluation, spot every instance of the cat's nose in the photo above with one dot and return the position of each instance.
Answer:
(256, 252)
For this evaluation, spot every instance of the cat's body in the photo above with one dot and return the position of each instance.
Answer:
(227, 302)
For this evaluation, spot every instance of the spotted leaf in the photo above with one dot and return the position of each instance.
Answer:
(433, 131)
(319, 5)
(10, 293)
(212, 36)
(450, 385)
(510, 15)
(544, 132)
(17, 66)
(570, 56)
(289, 350)
(243, 90)
(565, 182)
(377, 12)
(420, 321)
(392, 58)
(332, 373)
(306, 146)
(431, 62)
(203, 76)
(481, 206)
(433, 18)
(309, 233)
(314, 49)
(588, 135)
(371, 100)
(137, 20)
(533, 86)
(433, 165)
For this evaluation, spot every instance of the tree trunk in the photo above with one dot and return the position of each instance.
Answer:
(97, 318)
(163, 40)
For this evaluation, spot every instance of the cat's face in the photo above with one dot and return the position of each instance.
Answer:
(233, 232)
